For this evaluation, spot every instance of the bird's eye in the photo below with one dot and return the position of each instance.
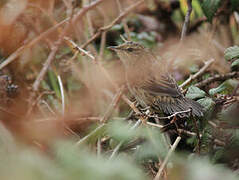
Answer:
(130, 49)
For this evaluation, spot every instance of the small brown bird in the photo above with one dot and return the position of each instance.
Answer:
(150, 83)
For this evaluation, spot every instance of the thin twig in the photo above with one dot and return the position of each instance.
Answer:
(173, 147)
(45, 67)
(155, 125)
(108, 27)
(198, 74)
(218, 77)
(35, 101)
(187, 20)
(103, 35)
(47, 106)
(126, 28)
(83, 52)
(173, 115)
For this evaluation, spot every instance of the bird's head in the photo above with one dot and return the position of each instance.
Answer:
(129, 52)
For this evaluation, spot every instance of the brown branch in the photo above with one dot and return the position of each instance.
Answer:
(198, 74)
(217, 77)
(187, 19)
(108, 27)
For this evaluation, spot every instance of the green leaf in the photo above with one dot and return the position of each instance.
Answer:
(234, 4)
(194, 68)
(228, 85)
(195, 93)
(207, 103)
(121, 131)
(210, 7)
(154, 145)
(197, 8)
(117, 27)
(54, 83)
(231, 53)
(235, 64)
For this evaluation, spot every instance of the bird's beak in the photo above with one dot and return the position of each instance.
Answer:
(113, 48)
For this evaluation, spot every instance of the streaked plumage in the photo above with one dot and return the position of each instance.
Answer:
(151, 84)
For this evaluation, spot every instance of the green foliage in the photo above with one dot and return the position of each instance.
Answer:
(201, 169)
(115, 129)
(210, 7)
(81, 164)
(231, 53)
(117, 27)
(93, 135)
(28, 164)
(69, 163)
(195, 93)
(207, 103)
(146, 38)
(234, 4)
(54, 83)
(153, 147)
(227, 86)
(235, 64)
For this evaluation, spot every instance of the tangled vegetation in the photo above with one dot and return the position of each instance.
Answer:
(65, 110)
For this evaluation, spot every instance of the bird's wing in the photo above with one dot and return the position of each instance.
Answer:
(163, 86)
